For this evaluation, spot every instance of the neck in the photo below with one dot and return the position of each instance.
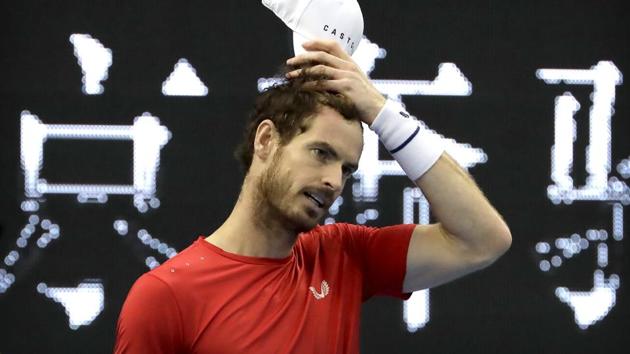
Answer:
(253, 229)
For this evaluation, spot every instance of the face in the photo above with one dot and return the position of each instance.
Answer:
(305, 176)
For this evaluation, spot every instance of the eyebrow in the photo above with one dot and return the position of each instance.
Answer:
(333, 152)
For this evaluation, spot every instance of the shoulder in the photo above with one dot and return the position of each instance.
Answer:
(149, 287)
(341, 236)
(328, 237)
(163, 285)
(325, 234)
(170, 281)
(336, 230)
(182, 260)
(350, 233)
(150, 319)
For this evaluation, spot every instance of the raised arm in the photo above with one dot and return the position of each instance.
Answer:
(470, 233)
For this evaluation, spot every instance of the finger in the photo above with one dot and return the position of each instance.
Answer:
(319, 57)
(328, 46)
(317, 70)
(339, 86)
(336, 86)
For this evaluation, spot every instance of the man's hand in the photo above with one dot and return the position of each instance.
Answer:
(343, 76)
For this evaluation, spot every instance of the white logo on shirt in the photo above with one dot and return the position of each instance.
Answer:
(320, 295)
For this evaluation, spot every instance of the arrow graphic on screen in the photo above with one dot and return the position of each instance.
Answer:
(591, 306)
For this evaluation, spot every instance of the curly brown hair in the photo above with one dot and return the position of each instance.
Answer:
(290, 105)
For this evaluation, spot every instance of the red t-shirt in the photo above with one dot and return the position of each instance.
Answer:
(206, 300)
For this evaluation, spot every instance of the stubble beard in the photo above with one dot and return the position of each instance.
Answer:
(272, 188)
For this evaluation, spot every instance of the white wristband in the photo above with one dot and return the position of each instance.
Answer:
(409, 141)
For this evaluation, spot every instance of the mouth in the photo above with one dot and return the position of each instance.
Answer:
(316, 198)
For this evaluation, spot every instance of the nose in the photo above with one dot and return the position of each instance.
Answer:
(333, 178)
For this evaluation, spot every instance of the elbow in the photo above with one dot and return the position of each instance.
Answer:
(506, 240)
(501, 241)
(497, 243)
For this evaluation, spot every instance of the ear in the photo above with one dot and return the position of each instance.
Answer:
(266, 139)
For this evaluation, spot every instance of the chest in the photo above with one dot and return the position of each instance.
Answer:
(298, 307)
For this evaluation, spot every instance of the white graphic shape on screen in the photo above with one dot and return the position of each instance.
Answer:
(82, 304)
(591, 306)
(121, 227)
(624, 168)
(366, 54)
(154, 243)
(450, 81)
(94, 60)
(148, 137)
(416, 312)
(594, 305)
(48, 232)
(183, 81)
(6, 280)
(604, 77)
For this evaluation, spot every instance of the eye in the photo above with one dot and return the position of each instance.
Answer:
(320, 153)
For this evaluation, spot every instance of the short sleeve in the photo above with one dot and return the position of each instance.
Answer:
(382, 255)
(150, 321)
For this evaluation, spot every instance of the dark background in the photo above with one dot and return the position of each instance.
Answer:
(507, 308)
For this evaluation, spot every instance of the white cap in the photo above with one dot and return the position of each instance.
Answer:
(340, 20)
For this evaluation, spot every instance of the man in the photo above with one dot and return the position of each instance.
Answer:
(270, 280)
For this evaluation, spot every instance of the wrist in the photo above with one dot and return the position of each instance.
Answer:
(375, 110)
(410, 142)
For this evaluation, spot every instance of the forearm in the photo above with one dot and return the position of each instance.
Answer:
(458, 204)
(462, 209)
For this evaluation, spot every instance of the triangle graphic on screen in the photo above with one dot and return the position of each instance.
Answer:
(183, 81)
